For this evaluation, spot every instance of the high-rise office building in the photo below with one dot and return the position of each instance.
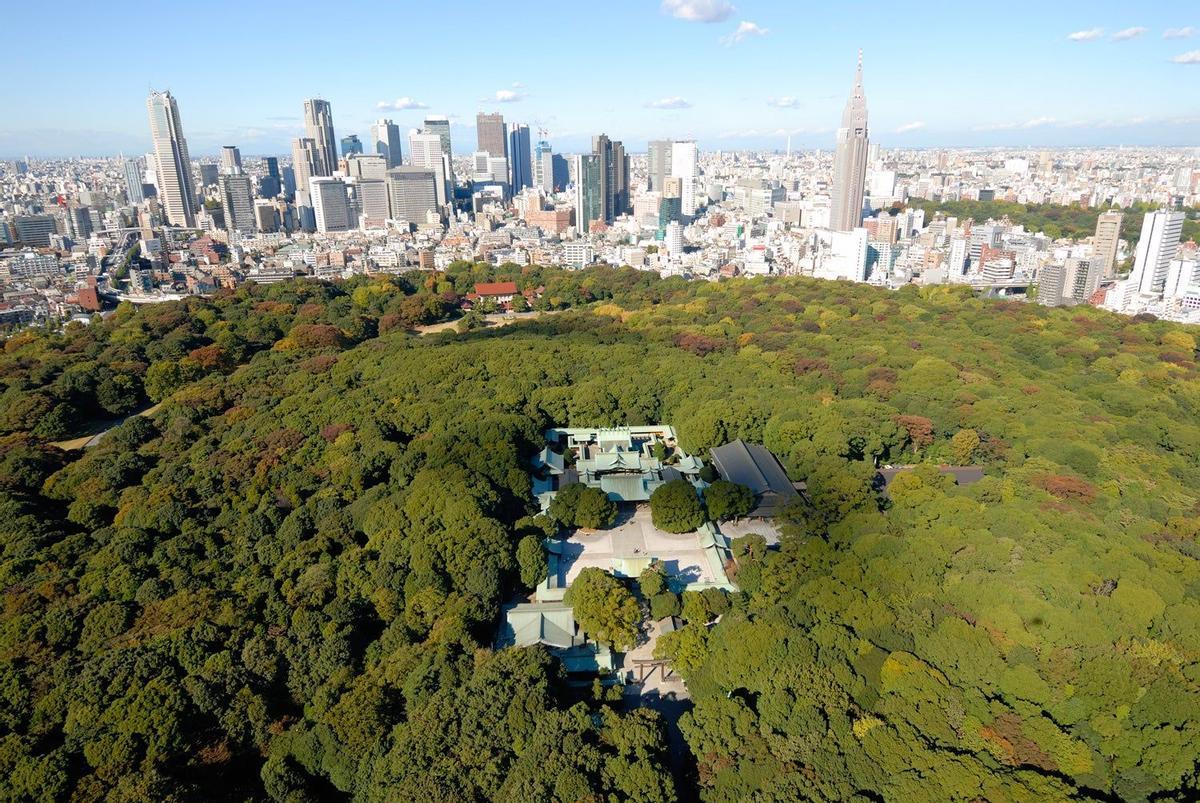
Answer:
(367, 165)
(614, 176)
(658, 163)
(351, 144)
(850, 160)
(425, 150)
(81, 222)
(489, 131)
(34, 230)
(172, 165)
(1157, 246)
(520, 160)
(239, 202)
(1050, 284)
(306, 161)
(231, 160)
(685, 159)
(209, 173)
(373, 205)
(271, 184)
(670, 207)
(543, 167)
(1104, 246)
(318, 126)
(133, 181)
(386, 136)
(589, 191)
(441, 127)
(266, 216)
(561, 171)
(412, 192)
(331, 211)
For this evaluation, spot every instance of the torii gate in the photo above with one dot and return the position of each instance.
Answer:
(644, 668)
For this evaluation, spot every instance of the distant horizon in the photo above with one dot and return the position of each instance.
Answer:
(731, 77)
(215, 155)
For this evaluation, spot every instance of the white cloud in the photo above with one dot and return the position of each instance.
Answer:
(915, 126)
(1179, 33)
(698, 10)
(1191, 57)
(400, 104)
(785, 102)
(1089, 35)
(1129, 33)
(669, 103)
(1036, 122)
(507, 96)
(745, 28)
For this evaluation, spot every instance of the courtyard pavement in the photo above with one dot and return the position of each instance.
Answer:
(633, 536)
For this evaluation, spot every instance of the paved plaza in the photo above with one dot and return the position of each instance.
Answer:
(764, 527)
(634, 536)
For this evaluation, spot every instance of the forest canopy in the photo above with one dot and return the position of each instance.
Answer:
(284, 583)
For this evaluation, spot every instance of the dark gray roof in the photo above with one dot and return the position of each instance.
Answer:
(754, 466)
(963, 475)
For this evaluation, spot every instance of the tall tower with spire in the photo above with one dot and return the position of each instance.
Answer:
(850, 161)
(172, 164)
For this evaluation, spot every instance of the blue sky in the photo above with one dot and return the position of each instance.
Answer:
(729, 73)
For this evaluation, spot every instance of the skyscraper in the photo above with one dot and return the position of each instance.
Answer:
(850, 160)
(318, 126)
(209, 173)
(373, 202)
(589, 195)
(614, 176)
(386, 136)
(412, 192)
(305, 161)
(543, 167)
(489, 131)
(172, 165)
(238, 201)
(684, 166)
(81, 222)
(351, 144)
(1104, 246)
(272, 182)
(520, 161)
(231, 160)
(441, 127)
(658, 158)
(425, 150)
(367, 166)
(1157, 246)
(133, 181)
(330, 208)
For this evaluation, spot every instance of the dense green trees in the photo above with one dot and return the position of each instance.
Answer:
(1054, 220)
(579, 505)
(728, 500)
(674, 507)
(604, 608)
(531, 558)
(283, 584)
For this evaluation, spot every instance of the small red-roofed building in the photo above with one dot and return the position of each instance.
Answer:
(498, 292)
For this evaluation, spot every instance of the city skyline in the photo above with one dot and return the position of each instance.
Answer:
(748, 77)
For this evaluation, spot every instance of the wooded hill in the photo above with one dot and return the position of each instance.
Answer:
(285, 583)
